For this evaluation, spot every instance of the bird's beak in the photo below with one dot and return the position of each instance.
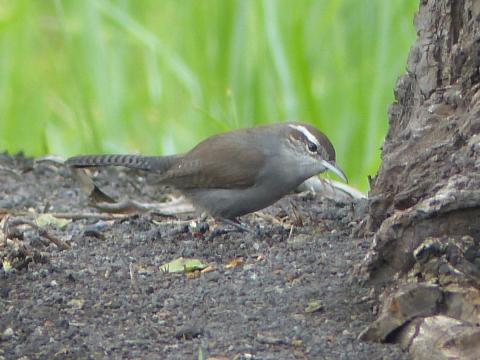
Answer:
(333, 167)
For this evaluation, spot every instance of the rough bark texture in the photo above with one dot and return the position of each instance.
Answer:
(425, 200)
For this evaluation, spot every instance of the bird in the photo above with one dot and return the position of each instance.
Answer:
(237, 172)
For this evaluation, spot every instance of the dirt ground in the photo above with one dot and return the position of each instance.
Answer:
(292, 297)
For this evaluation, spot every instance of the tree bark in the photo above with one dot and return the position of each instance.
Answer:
(424, 206)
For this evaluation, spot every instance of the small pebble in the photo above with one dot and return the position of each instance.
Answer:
(7, 334)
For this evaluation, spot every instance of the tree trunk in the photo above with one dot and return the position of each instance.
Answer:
(425, 201)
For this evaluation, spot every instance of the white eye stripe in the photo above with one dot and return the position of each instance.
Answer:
(305, 132)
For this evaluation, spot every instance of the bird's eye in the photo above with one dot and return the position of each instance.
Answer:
(312, 147)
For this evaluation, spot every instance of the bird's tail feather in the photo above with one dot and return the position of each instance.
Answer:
(148, 163)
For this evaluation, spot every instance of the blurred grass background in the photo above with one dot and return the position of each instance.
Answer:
(156, 77)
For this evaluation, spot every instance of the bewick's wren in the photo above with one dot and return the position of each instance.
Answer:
(238, 172)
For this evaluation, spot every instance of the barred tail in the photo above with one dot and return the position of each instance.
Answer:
(149, 163)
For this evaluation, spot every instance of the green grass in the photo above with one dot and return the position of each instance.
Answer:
(150, 76)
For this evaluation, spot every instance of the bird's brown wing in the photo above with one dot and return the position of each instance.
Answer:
(220, 162)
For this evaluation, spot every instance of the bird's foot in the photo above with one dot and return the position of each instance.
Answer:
(236, 226)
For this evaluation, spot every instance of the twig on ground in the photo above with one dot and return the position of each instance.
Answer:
(11, 224)
(133, 278)
(290, 233)
(269, 218)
